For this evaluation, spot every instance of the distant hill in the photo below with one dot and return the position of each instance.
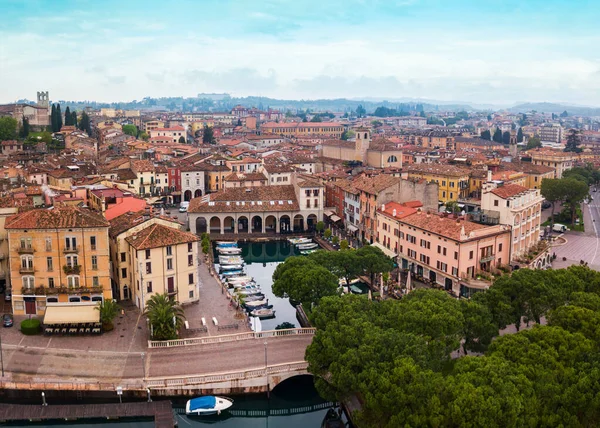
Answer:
(556, 108)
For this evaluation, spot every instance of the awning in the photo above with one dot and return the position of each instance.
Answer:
(386, 251)
(351, 228)
(328, 213)
(335, 218)
(71, 314)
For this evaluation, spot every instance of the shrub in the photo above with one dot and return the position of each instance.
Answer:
(30, 327)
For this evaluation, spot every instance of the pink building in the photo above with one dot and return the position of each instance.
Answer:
(452, 252)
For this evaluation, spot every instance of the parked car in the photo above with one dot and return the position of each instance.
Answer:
(546, 205)
(7, 296)
(7, 320)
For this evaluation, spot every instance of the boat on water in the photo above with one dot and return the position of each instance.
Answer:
(235, 279)
(249, 292)
(297, 241)
(309, 246)
(355, 289)
(307, 252)
(352, 281)
(230, 260)
(229, 250)
(230, 267)
(207, 405)
(232, 273)
(244, 284)
(227, 244)
(256, 303)
(263, 313)
(254, 297)
(333, 419)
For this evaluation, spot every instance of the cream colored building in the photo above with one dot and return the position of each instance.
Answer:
(557, 159)
(163, 260)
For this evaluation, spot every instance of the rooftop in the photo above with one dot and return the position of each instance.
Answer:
(441, 225)
(157, 235)
(66, 217)
(246, 199)
(509, 190)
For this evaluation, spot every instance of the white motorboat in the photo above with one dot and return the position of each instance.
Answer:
(310, 246)
(299, 241)
(226, 244)
(229, 250)
(244, 284)
(254, 297)
(257, 303)
(249, 291)
(207, 405)
(263, 313)
(231, 267)
(230, 260)
(237, 279)
(247, 287)
(232, 273)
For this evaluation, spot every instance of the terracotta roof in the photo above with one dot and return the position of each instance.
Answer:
(130, 219)
(175, 128)
(246, 199)
(375, 184)
(400, 210)
(509, 190)
(438, 169)
(246, 177)
(56, 218)
(157, 235)
(529, 168)
(340, 143)
(440, 225)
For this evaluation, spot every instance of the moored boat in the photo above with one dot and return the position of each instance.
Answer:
(230, 260)
(307, 252)
(229, 250)
(207, 405)
(232, 273)
(254, 297)
(257, 303)
(226, 244)
(249, 292)
(309, 246)
(297, 241)
(244, 284)
(231, 267)
(263, 313)
(237, 279)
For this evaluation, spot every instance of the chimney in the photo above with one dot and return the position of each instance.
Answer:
(489, 175)
(394, 213)
(382, 207)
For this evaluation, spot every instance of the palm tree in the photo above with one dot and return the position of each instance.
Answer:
(165, 315)
(108, 311)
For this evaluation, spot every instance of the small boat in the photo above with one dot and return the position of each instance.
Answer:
(356, 289)
(227, 244)
(263, 313)
(207, 405)
(297, 241)
(244, 284)
(231, 267)
(232, 273)
(254, 297)
(257, 303)
(310, 246)
(247, 287)
(249, 292)
(229, 250)
(307, 252)
(230, 260)
(352, 281)
(235, 279)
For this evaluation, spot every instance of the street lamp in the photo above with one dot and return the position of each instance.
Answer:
(266, 365)
(1, 356)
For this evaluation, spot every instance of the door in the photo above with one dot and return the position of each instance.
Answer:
(30, 308)
(170, 285)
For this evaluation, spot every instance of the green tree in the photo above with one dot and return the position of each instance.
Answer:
(84, 123)
(373, 261)
(53, 119)
(316, 118)
(59, 118)
(552, 189)
(346, 135)
(344, 244)
(8, 128)
(144, 136)
(486, 135)
(573, 141)
(109, 309)
(239, 122)
(360, 111)
(181, 140)
(497, 136)
(335, 240)
(575, 193)
(320, 226)
(74, 118)
(24, 130)
(453, 207)
(327, 233)
(208, 136)
(284, 326)
(520, 135)
(506, 138)
(564, 114)
(479, 327)
(130, 130)
(68, 117)
(533, 143)
(306, 282)
(165, 315)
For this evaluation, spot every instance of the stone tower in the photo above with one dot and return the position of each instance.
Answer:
(363, 141)
(512, 148)
(43, 99)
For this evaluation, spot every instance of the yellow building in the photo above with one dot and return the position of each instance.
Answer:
(58, 256)
(303, 129)
(510, 177)
(534, 174)
(453, 181)
(557, 159)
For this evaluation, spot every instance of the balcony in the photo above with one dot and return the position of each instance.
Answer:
(25, 249)
(72, 270)
(487, 258)
(482, 280)
(26, 270)
(172, 291)
(71, 250)
(41, 291)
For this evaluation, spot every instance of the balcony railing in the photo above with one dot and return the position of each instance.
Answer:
(68, 250)
(72, 270)
(488, 258)
(41, 291)
(26, 270)
(172, 291)
(27, 249)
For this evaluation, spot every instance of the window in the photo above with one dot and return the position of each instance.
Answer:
(73, 281)
(26, 243)
(508, 203)
(444, 251)
(470, 255)
(443, 194)
(190, 260)
(123, 272)
(48, 244)
(71, 243)
(452, 184)
(308, 203)
(443, 183)
(191, 294)
(169, 251)
(439, 250)
(95, 281)
(392, 159)
(72, 261)
(123, 257)
(149, 286)
(316, 192)
(147, 254)
(190, 247)
(191, 279)
(95, 262)
(499, 247)
(28, 282)
(307, 192)
(148, 267)
(50, 282)
(456, 255)
(93, 242)
(49, 264)
(27, 262)
(455, 271)
(169, 264)
(495, 202)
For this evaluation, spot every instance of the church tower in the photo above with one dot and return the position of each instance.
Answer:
(512, 148)
(43, 99)
(363, 141)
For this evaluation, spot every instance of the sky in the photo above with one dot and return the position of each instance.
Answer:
(482, 52)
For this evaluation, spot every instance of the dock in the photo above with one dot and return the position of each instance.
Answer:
(160, 411)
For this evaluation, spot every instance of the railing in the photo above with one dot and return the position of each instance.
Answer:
(230, 337)
(487, 258)
(72, 269)
(182, 381)
(71, 250)
(26, 269)
(25, 250)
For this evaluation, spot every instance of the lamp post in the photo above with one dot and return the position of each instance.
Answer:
(1, 356)
(266, 372)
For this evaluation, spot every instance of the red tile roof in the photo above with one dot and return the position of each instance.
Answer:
(157, 235)
(509, 190)
(56, 218)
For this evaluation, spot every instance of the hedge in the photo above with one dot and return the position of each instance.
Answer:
(30, 327)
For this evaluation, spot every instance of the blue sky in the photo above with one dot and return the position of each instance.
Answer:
(456, 50)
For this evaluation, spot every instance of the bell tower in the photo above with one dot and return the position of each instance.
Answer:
(43, 99)
(512, 148)
(363, 141)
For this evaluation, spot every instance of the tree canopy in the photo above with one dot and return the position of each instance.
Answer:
(533, 143)
(130, 130)
(396, 356)
(486, 135)
(497, 136)
(8, 128)
(573, 141)
(208, 136)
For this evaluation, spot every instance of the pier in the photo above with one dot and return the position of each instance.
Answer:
(160, 411)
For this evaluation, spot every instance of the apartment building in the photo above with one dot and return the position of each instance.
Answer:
(455, 253)
(175, 133)
(557, 159)
(551, 133)
(303, 129)
(453, 181)
(58, 256)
